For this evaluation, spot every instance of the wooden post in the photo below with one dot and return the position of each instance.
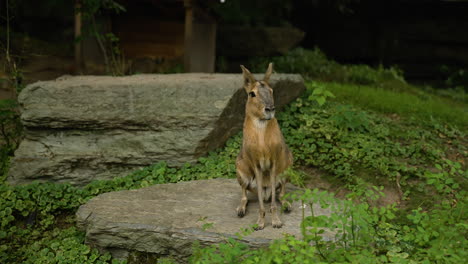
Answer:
(188, 34)
(78, 40)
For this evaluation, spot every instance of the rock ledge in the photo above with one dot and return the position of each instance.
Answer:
(84, 128)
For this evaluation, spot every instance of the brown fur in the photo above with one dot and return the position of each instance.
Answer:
(264, 155)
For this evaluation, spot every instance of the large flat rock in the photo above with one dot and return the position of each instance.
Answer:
(99, 127)
(166, 219)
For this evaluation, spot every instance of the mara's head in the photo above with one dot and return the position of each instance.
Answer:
(260, 103)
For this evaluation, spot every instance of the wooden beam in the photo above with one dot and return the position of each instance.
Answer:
(188, 34)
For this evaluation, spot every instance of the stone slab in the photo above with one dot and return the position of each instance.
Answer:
(166, 219)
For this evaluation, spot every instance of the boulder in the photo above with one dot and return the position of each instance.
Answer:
(164, 220)
(78, 129)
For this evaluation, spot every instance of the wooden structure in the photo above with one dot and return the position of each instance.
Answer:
(166, 31)
(199, 39)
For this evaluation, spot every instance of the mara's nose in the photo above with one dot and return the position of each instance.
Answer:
(270, 109)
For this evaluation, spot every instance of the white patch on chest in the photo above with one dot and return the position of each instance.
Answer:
(265, 164)
(261, 125)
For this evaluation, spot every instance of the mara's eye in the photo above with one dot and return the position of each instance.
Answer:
(252, 94)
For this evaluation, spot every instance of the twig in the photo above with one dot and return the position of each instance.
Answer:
(101, 45)
(400, 192)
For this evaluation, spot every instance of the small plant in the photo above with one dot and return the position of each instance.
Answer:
(10, 133)
(320, 94)
(118, 65)
(114, 59)
(364, 74)
(348, 119)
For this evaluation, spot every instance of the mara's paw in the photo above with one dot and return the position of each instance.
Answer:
(240, 211)
(260, 225)
(276, 222)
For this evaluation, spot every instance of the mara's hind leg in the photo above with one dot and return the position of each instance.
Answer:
(275, 220)
(242, 208)
(285, 205)
(288, 158)
(244, 179)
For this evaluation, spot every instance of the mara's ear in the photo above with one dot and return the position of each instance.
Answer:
(248, 77)
(268, 72)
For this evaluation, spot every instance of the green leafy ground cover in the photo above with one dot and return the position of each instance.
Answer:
(420, 152)
(362, 133)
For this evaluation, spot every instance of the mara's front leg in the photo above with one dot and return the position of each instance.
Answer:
(261, 210)
(275, 220)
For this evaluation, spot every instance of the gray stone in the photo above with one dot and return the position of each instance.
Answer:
(166, 219)
(98, 127)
